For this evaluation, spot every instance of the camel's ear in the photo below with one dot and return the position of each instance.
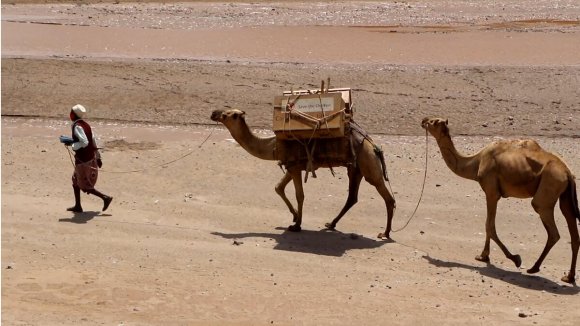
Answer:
(239, 114)
(446, 121)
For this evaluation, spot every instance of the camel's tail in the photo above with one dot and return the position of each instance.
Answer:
(570, 198)
(381, 156)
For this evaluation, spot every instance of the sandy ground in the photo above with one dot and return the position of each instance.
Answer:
(201, 240)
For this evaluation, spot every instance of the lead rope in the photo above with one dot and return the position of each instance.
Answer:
(155, 166)
(424, 180)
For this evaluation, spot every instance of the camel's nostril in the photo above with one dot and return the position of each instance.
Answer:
(215, 115)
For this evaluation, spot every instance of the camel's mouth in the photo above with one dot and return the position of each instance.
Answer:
(425, 123)
(216, 115)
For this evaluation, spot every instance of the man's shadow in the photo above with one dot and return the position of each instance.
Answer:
(323, 242)
(82, 218)
(532, 282)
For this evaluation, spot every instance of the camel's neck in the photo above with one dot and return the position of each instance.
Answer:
(463, 166)
(263, 148)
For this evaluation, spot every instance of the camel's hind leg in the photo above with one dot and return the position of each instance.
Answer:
(491, 233)
(376, 179)
(552, 184)
(371, 168)
(354, 179)
(547, 216)
(543, 203)
(567, 206)
(575, 242)
(390, 204)
(281, 186)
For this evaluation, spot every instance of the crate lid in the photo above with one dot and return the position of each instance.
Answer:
(345, 92)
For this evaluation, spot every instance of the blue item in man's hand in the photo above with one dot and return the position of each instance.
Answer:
(66, 140)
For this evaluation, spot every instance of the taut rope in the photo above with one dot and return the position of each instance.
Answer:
(151, 167)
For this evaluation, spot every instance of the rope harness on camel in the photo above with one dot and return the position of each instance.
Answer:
(291, 113)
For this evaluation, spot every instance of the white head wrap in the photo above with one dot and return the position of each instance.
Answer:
(79, 110)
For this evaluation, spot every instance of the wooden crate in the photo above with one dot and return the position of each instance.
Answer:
(346, 94)
(299, 121)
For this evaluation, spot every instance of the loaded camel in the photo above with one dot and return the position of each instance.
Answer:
(369, 164)
(521, 169)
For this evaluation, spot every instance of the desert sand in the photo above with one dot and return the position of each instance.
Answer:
(196, 234)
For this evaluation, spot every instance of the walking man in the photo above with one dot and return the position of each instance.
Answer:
(87, 160)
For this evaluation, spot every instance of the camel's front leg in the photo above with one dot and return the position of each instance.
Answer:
(491, 233)
(280, 187)
(297, 179)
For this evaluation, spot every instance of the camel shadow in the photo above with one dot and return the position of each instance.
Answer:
(81, 218)
(532, 282)
(323, 242)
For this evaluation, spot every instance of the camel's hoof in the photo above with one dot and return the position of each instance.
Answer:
(383, 236)
(294, 228)
(569, 279)
(533, 270)
(329, 226)
(482, 258)
(517, 260)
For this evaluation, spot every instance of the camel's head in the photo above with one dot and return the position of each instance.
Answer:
(227, 115)
(436, 127)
